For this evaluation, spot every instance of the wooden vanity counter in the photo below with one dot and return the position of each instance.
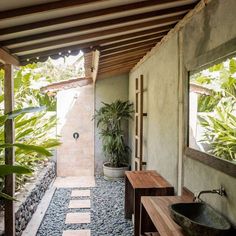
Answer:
(155, 215)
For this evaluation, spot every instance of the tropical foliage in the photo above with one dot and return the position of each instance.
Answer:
(63, 69)
(219, 108)
(110, 118)
(34, 132)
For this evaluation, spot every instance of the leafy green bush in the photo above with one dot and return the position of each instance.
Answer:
(220, 133)
(219, 122)
(31, 129)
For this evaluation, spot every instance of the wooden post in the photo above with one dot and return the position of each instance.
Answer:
(9, 152)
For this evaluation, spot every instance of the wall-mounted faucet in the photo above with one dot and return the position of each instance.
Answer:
(220, 191)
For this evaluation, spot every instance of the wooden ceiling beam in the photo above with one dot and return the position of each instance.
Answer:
(102, 33)
(7, 58)
(117, 51)
(82, 16)
(132, 46)
(132, 50)
(133, 36)
(112, 60)
(128, 66)
(112, 73)
(110, 64)
(39, 8)
(121, 55)
(132, 41)
(95, 26)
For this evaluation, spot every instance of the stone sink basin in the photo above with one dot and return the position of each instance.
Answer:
(199, 219)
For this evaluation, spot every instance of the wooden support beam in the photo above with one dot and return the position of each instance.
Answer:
(133, 36)
(128, 67)
(121, 63)
(81, 28)
(117, 67)
(43, 7)
(127, 53)
(7, 58)
(9, 134)
(149, 43)
(95, 64)
(82, 16)
(112, 73)
(133, 41)
(103, 64)
(101, 33)
(95, 26)
(124, 56)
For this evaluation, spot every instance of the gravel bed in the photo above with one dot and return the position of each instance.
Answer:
(107, 211)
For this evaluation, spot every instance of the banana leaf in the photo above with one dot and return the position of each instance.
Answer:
(8, 169)
(13, 114)
(27, 147)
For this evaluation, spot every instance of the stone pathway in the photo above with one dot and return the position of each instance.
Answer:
(87, 211)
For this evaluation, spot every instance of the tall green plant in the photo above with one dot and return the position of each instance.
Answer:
(110, 118)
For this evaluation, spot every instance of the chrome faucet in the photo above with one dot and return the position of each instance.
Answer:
(220, 191)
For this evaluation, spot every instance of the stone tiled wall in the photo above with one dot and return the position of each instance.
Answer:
(75, 109)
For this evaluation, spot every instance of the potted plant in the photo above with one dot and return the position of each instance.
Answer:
(110, 120)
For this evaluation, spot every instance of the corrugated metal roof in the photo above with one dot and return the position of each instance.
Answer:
(122, 30)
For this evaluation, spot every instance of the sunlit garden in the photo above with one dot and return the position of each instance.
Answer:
(35, 122)
(212, 116)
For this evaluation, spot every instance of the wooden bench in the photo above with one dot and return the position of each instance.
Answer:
(155, 215)
(143, 183)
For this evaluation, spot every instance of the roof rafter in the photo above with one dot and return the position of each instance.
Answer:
(101, 33)
(117, 60)
(82, 16)
(43, 7)
(130, 53)
(133, 49)
(112, 73)
(132, 41)
(128, 19)
(101, 66)
(128, 66)
(132, 46)
(132, 36)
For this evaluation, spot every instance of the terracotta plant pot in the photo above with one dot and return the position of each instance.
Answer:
(114, 173)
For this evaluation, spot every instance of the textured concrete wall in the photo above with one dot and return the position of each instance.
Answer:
(108, 90)
(207, 30)
(160, 78)
(212, 27)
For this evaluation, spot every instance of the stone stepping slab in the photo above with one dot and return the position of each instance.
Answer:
(82, 232)
(79, 204)
(80, 193)
(78, 218)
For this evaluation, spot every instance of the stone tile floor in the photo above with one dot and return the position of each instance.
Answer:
(93, 210)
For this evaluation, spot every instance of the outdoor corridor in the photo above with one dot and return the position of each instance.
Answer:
(82, 206)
